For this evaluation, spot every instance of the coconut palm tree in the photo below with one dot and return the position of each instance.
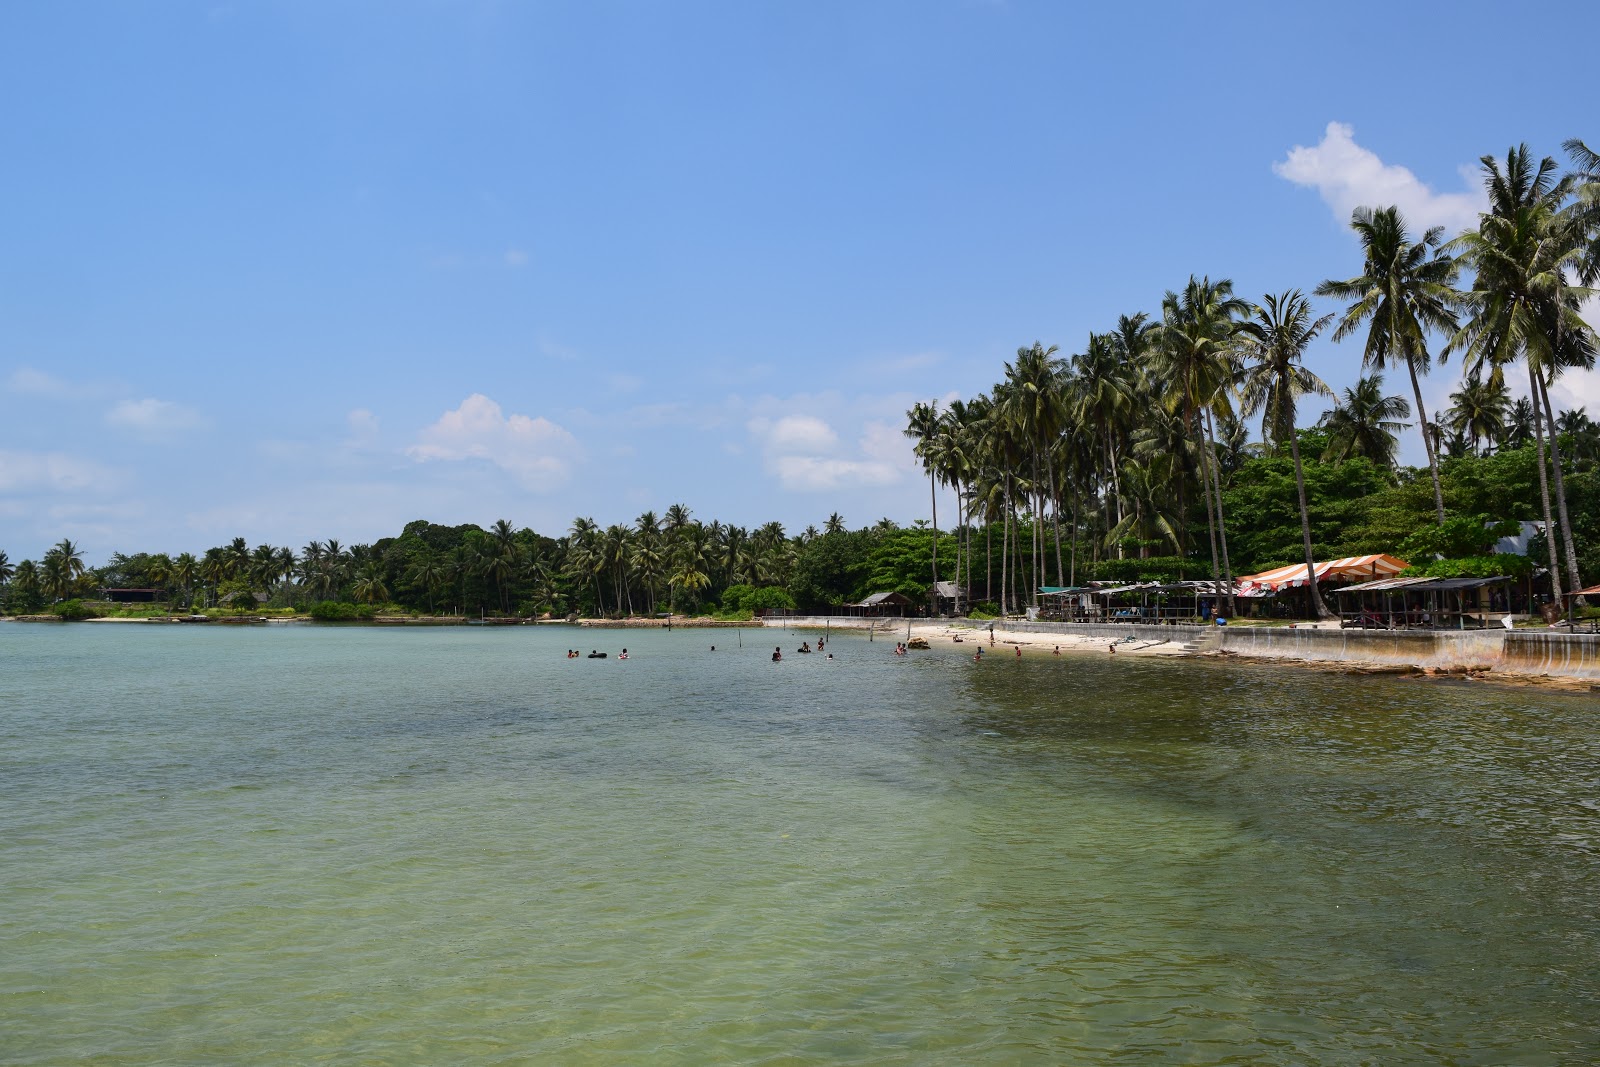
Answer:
(1104, 392)
(1036, 404)
(835, 524)
(1194, 357)
(1365, 423)
(370, 586)
(1518, 430)
(1406, 289)
(1584, 210)
(1523, 305)
(922, 426)
(1479, 409)
(1275, 340)
(7, 571)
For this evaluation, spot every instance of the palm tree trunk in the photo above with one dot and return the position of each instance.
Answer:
(1005, 547)
(1427, 441)
(988, 557)
(1544, 491)
(1211, 515)
(1055, 511)
(1222, 521)
(1317, 607)
(933, 590)
(1561, 492)
(1072, 576)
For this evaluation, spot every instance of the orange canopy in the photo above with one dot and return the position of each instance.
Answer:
(1349, 569)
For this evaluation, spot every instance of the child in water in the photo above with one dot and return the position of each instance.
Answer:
(777, 654)
(624, 654)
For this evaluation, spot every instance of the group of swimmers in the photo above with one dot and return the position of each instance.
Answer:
(805, 649)
(573, 653)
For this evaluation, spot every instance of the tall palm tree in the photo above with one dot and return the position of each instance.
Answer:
(835, 524)
(1584, 211)
(1104, 396)
(1406, 289)
(1524, 306)
(1194, 358)
(1276, 337)
(7, 571)
(370, 586)
(1037, 405)
(922, 426)
(1365, 423)
(1518, 430)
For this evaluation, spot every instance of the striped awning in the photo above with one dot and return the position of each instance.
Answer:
(1349, 569)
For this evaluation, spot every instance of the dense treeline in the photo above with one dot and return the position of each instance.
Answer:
(1131, 458)
(1121, 439)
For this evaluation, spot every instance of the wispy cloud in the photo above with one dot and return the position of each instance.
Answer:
(516, 257)
(154, 418)
(58, 472)
(1348, 176)
(36, 382)
(539, 453)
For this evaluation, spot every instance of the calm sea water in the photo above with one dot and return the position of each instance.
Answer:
(309, 845)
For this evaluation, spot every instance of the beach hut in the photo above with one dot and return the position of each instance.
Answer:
(1345, 571)
(948, 598)
(1425, 603)
(879, 605)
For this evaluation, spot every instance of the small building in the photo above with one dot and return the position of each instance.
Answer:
(131, 596)
(231, 599)
(879, 605)
(949, 598)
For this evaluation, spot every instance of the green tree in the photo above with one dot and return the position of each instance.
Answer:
(1276, 337)
(1365, 423)
(1406, 289)
(1523, 305)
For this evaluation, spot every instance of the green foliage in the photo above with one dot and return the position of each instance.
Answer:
(1508, 565)
(341, 611)
(1151, 569)
(72, 610)
(1460, 536)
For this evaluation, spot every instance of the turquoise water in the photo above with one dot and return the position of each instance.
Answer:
(367, 846)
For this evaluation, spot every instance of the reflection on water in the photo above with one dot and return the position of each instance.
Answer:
(306, 844)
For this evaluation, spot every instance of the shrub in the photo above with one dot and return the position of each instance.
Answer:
(71, 610)
(340, 611)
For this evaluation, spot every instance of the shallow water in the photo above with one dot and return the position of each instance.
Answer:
(360, 845)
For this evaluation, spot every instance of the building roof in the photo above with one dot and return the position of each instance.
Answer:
(1351, 568)
(946, 590)
(1422, 585)
(884, 598)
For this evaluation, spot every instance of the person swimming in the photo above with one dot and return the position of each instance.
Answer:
(624, 654)
(713, 648)
(805, 646)
(777, 655)
(830, 655)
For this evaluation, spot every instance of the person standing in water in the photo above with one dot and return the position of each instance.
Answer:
(777, 655)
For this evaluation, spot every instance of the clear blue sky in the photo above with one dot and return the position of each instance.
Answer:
(305, 270)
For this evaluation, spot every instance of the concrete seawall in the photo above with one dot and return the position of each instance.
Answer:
(1564, 655)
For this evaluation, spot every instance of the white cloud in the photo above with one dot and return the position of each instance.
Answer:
(363, 426)
(1349, 176)
(154, 418)
(51, 472)
(795, 433)
(516, 257)
(28, 380)
(802, 452)
(536, 451)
